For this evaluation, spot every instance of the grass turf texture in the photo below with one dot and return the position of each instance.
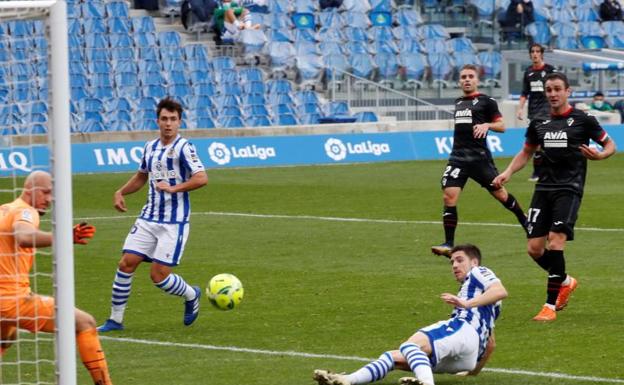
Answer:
(348, 288)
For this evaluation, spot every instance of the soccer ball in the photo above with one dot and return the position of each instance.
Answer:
(225, 291)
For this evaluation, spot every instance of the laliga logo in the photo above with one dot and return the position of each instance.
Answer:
(219, 153)
(337, 150)
(222, 155)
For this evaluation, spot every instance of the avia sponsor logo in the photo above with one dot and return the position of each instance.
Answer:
(463, 116)
(221, 154)
(444, 145)
(556, 139)
(338, 150)
(537, 86)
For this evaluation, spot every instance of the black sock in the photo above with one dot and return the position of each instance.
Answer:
(556, 275)
(449, 220)
(545, 261)
(512, 205)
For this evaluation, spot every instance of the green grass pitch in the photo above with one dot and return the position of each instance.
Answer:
(347, 288)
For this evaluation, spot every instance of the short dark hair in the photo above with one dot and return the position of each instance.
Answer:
(470, 67)
(557, 75)
(541, 47)
(470, 250)
(170, 105)
(599, 94)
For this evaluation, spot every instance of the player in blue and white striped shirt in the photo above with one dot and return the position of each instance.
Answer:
(171, 168)
(460, 344)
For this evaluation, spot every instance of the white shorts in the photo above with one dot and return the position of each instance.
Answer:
(454, 344)
(161, 242)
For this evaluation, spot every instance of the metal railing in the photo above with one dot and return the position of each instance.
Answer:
(364, 94)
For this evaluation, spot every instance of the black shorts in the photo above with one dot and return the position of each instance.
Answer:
(554, 211)
(456, 174)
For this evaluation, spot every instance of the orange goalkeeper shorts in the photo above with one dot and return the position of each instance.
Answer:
(32, 312)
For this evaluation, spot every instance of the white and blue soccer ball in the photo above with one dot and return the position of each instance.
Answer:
(225, 291)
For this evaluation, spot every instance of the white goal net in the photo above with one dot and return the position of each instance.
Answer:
(34, 135)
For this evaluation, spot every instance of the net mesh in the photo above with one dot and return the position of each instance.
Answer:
(25, 147)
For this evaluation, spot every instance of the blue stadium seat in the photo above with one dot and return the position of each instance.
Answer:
(283, 109)
(309, 108)
(119, 116)
(436, 45)
(279, 86)
(338, 108)
(91, 9)
(255, 110)
(335, 35)
(591, 35)
(335, 65)
(331, 19)
(225, 101)
(306, 96)
(539, 32)
(407, 33)
(154, 90)
(205, 122)
(147, 103)
(143, 24)
(355, 19)
(231, 122)
(282, 99)
(356, 5)
(97, 40)
(253, 99)
(442, 67)
(118, 104)
(365, 116)
(145, 39)
(258, 121)
(362, 65)
(388, 67)
(563, 14)
(566, 34)
(279, 6)
(118, 25)
(310, 118)
(408, 17)
(285, 120)
(381, 5)
(169, 39)
(127, 53)
(282, 55)
(119, 126)
(614, 33)
(587, 14)
(117, 9)
(94, 26)
(206, 89)
(90, 126)
(223, 62)
(145, 125)
(201, 77)
(310, 6)
(309, 68)
(332, 47)
(381, 19)
(431, 31)
(121, 40)
(491, 63)
(304, 20)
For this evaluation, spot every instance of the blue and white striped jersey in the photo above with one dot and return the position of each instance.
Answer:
(174, 163)
(481, 318)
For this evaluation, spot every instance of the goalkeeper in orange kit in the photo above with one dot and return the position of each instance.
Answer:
(20, 308)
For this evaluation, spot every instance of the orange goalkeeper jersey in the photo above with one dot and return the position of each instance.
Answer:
(15, 261)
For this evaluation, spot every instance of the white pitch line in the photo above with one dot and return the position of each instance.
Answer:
(343, 219)
(290, 353)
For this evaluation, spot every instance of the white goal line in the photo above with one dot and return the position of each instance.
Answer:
(290, 353)
(343, 219)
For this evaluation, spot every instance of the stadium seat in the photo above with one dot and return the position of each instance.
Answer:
(231, 122)
(145, 125)
(442, 67)
(362, 65)
(285, 120)
(591, 35)
(331, 19)
(205, 123)
(258, 121)
(117, 9)
(408, 17)
(355, 19)
(356, 5)
(614, 34)
(143, 24)
(430, 31)
(365, 116)
(491, 63)
(539, 32)
(388, 67)
(310, 6)
(119, 126)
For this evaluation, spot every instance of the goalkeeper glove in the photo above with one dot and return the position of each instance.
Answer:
(83, 232)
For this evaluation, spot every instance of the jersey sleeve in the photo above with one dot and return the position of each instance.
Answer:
(493, 111)
(595, 131)
(484, 276)
(525, 85)
(26, 214)
(143, 164)
(531, 137)
(190, 159)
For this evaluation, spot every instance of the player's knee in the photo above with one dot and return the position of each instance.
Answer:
(534, 251)
(450, 198)
(84, 321)
(127, 265)
(158, 276)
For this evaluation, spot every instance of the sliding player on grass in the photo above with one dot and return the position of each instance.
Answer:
(462, 343)
(564, 140)
(20, 308)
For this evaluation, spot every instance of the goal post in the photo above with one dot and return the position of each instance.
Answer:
(54, 13)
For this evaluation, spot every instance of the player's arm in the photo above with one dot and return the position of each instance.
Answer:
(521, 103)
(517, 164)
(494, 293)
(134, 184)
(489, 349)
(197, 180)
(27, 235)
(608, 149)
